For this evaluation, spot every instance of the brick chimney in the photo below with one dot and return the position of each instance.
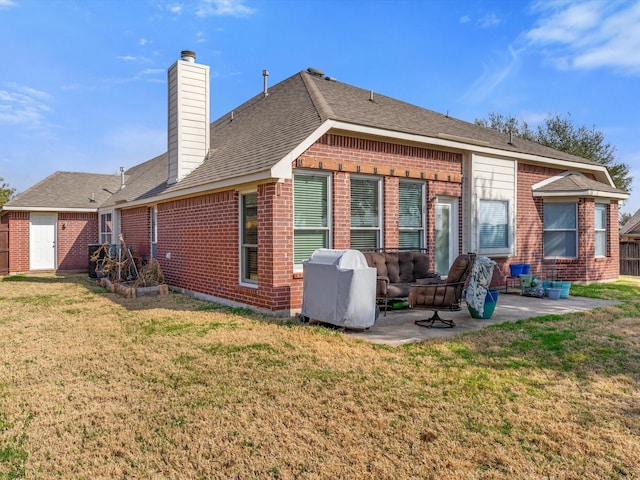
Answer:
(188, 121)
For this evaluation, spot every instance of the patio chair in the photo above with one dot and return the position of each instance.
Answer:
(443, 296)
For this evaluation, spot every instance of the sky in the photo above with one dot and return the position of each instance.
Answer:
(83, 82)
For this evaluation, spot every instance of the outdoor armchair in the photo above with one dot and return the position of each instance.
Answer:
(443, 296)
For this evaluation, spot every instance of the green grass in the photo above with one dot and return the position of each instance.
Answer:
(173, 387)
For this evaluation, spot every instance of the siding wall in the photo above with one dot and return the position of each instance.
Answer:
(198, 238)
(75, 232)
(18, 242)
(530, 234)
(136, 226)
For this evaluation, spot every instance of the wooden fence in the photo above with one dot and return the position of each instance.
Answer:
(4, 249)
(630, 258)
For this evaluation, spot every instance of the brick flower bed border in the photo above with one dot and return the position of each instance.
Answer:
(133, 292)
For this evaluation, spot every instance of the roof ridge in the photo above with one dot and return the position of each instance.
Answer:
(318, 100)
(632, 222)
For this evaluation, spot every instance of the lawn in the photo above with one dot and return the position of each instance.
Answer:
(94, 386)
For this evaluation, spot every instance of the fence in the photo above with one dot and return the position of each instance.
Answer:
(630, 258)
(4, 249)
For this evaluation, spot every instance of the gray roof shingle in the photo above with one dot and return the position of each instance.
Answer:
(264, 130)
(576, 182)
(68, 190)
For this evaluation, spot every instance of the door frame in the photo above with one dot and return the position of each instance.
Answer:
(454, 227)
(53, 217)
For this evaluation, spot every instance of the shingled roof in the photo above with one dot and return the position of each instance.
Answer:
(576, 183)
(257, 135)
(264, 130)
(67, 191)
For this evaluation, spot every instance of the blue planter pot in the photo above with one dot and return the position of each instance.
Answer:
(490, 301)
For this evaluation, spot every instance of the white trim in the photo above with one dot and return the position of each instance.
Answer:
(583, 193)
(283, 168)
(600, 170)
(49, 209)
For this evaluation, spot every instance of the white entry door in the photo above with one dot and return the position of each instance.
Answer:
(446, 230)
(42, 241)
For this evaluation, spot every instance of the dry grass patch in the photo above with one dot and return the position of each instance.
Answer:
(96, 386)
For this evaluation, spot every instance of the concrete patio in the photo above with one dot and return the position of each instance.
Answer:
(398, 326)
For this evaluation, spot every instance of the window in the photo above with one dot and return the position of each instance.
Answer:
(106, 228)
(249, 236)
(153, 213)
(411, 220)
(600, 223)
(365, 214)
(493, 220)
(560, 230)
(311, 212)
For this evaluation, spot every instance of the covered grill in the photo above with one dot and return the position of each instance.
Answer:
(339, 288)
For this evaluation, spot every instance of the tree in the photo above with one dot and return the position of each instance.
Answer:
(560, 133)
(6, 192)
(624, 218)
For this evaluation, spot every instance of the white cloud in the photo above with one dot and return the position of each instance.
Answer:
(175, 8)
(218, 8)
(589, 34)
(7, 4)
(493, 76)
(23, 105)
(488, 21)
(143, 41)
(465, 19)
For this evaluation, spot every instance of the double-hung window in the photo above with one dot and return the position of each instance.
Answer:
(600, 223)
(249, 237)
(106, 228)
(493, 222)
(560, 230)
(366, 213)
(411, 219)
(311, 215)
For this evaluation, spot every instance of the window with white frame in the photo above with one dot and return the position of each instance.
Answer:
(411, 219)
(493, 224)
(311, 210)
(153, 214)
(106, 228)
(366, 213)
(249, 237)
(560, 230)
(600, 223)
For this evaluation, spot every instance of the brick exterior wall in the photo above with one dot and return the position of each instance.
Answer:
(75, 232)
(530, 235)
(18, 242)
(135, 223)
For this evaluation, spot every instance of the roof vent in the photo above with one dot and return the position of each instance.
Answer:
(265, 76)
(315, 72)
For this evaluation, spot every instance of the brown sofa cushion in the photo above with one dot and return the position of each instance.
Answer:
(396, 271)
(458, 268)
(378, 261)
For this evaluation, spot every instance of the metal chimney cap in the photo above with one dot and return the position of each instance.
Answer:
(188, 56)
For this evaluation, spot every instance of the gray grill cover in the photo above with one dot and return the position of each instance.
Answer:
(339, 288)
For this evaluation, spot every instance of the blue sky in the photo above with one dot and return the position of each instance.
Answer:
(83, 82)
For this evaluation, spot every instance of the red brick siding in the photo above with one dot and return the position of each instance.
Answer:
(399, 157)
(136, 226)
(341, 215)
(75, 232)
(18, 242)
(530, 235)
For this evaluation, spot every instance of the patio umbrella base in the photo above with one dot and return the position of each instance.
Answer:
(430, 322)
